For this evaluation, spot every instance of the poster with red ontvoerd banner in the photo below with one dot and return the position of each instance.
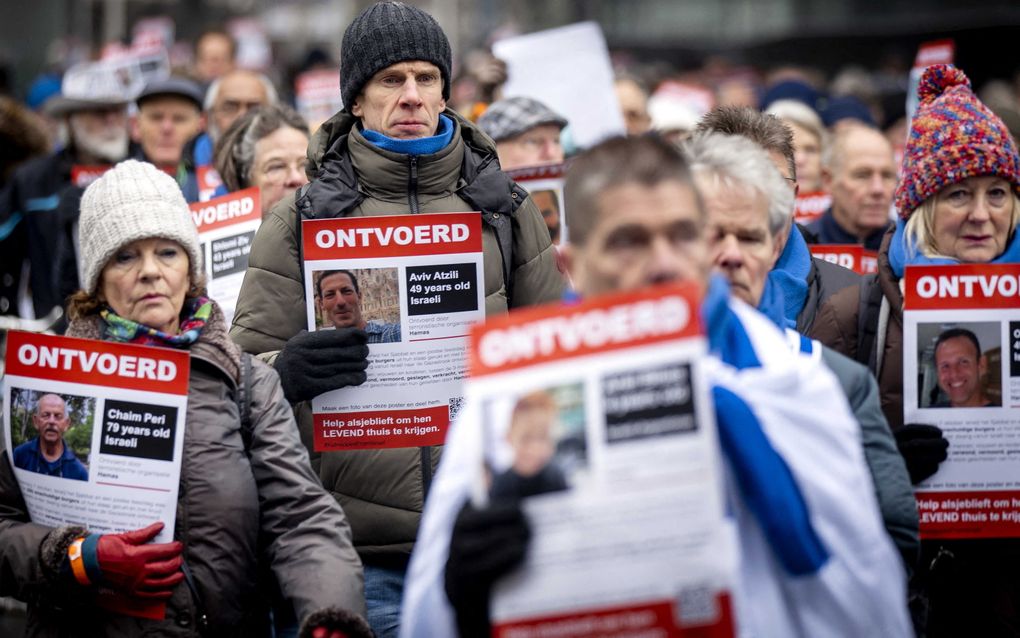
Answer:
(597, 417)
(94, 431)
(415, 285)
(961, 372)
(810, 206)
(226, 229)
(850, 256)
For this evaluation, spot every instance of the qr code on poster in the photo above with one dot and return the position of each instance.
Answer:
(455, 405)
(696, 606)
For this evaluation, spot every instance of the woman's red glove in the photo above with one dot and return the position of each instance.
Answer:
(128, 564)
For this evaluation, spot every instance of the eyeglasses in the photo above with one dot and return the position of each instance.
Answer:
(233, 107)
(277, 170)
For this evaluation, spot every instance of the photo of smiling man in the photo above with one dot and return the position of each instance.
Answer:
(959, 365)
(48, 452)
(368, 299)
(962, 369)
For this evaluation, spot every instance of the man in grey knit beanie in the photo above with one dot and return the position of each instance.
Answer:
(394, 149)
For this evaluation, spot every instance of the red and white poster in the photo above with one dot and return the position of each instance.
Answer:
(545, 185)
(317, 96)
(415, 284)
(208, 181)
(95, 431)
(82, 175)
(226, 228)
(928, 54)
(810, 206)
(597, 415)
(850, 256)
(961, 372)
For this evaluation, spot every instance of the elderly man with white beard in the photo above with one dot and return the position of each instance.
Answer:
(39, 205)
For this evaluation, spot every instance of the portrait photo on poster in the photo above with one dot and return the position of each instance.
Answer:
(51, 433)
(959, 364)
(365, 298)
(535, 442)
(548, 202)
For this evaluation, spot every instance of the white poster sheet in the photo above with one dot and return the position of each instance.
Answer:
(568, 69)
(415, 283)
(226, 229)
(598, 416)
(961, 372)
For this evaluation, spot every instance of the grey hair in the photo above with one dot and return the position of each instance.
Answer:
(213, 92)
(234, 154)
(736, 162)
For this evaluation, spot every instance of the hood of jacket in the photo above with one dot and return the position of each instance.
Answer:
(334, 186)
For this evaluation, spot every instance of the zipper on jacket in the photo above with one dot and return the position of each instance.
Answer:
(412, 185)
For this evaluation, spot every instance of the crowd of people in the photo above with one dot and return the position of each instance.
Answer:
(806, 357)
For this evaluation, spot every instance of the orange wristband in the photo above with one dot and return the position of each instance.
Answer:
(77, 565)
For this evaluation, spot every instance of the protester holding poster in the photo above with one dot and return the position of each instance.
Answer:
(958, 204)
(814, 561)
(247, 500)
(395, 149)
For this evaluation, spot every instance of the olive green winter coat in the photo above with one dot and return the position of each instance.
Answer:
(383, 491)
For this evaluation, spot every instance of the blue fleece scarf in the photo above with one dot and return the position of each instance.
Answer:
(789, 277)
(773, 305)
(901, 256)
(763, 477)
(420, 146)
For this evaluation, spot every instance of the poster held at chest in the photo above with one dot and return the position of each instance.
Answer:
(94, 431)
(414, 284)
(598, 416)
(961, 372)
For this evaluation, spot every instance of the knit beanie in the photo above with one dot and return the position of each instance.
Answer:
(953, 136)
(133, 200)
(387, 33)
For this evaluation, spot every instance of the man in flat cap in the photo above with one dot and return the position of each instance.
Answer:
(167, 127)
(526, 132)
(394, 149)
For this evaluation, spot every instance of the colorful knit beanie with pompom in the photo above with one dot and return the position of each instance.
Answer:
(953, 136)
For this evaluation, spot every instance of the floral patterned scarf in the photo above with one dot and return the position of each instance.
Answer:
(195, 314)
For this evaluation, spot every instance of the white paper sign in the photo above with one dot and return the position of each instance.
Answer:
(568, 69)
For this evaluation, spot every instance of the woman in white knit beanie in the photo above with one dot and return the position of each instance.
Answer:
(248, 494)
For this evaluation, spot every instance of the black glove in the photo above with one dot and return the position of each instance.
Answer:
(316, 362)
(923, 447)
(486, 544)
